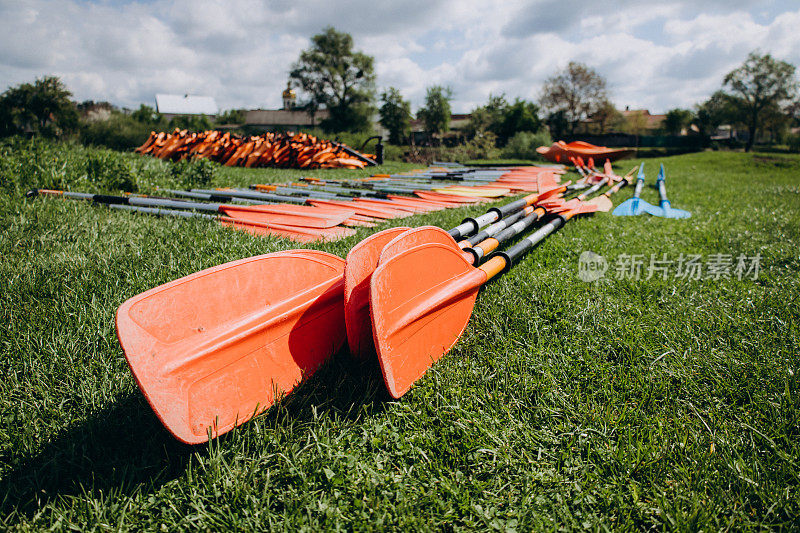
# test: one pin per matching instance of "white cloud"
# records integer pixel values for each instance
(674, 53)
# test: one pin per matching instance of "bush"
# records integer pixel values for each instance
(793, 141)
(39, 163)
(119, 132)
(523, 144)
(197, 173)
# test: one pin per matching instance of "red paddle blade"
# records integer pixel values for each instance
(450, 198)
(416, 237)
(268, 215)
(216, 347)
(265, 229)
(378, 203)
(432, 203)
(420, 303)
(359, 266)
(243, 221)
(362, 209)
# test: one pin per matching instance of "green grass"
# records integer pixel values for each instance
(658, 404)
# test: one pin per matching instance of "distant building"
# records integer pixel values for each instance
(287, 118)
(91, 111)
(643, 118)
(289, 96)
(172, 105)
(283, 119)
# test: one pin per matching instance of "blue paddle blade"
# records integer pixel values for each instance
(636, 206)
(670, 212)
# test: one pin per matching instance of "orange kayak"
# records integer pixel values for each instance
(561, 152)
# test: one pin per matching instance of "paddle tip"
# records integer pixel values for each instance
(32, 193)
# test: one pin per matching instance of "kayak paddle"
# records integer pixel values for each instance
(635, 205)
(264, 214)
(208, 359)
(364, 257)
(669, 211)
(422, 298)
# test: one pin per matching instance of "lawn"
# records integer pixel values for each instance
(664, 403)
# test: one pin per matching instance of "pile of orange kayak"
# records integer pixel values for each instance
(281, 150)
(561, 152)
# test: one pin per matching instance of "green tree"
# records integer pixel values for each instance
(435, 114)
(488, 117)
(719, 109)
(191, 122)
(146, 115)
(341, 79)
(759, 84)
(607, 117)
(676, 120)
(231, 116)
(395, 115)
(557, 123)
(577, 92)
(517, 117)
(42, 108)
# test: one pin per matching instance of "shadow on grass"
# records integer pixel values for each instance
(124, 448)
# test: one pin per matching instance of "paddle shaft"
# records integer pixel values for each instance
(132, 200)
(479, 250)
(662, 187)
(502, 260)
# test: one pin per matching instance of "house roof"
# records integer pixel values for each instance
(651, 121)
(186, 104)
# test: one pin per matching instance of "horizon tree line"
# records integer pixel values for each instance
(760, 95)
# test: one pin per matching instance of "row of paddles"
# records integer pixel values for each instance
(304, 212)
(207, 362)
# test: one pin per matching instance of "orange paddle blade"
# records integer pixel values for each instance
(450, 198)
(602, 203)
(416, 237)
(359, 266)
(217, 347)
(280, 215)
(420, 303)
(363, 209)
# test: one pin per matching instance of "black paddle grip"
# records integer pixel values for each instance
(106, 199)
(518, 250)
(478, 237)
(512, 231)
(504, 210)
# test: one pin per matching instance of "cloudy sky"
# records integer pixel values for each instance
(655, 54)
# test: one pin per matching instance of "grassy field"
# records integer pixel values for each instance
(661, 403)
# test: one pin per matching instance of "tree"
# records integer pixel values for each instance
(635, 123)
(519, 116)
(607, 117)
(557, 124)
(146, 115)
(339, 78)
(435, 114)
(486, 118)
(676, 120)
(191, 122)
(231, 116)
(577, 91)
(760, 83)
(720, 108)
(42, 108)
(504, 119)
(395, 115)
